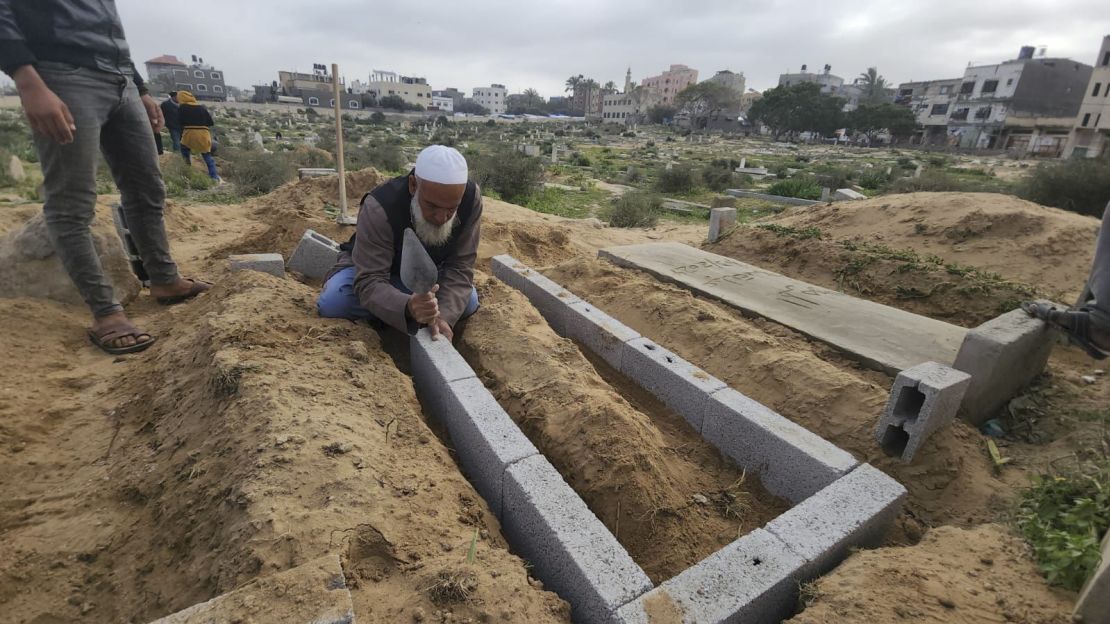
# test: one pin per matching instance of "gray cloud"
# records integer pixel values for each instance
(467, 44)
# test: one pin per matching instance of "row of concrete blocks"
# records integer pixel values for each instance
(314, 256)
(838, 503)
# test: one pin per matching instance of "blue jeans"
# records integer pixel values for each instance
(175, 136)
(208, 160)
(339, 300)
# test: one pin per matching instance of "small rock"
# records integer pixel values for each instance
(357, 351)
(1088, 379)
(418, 615)
(700, 499)
(1099, 371)
(946, 603)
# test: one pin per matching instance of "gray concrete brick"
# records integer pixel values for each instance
(601, 333)
(683, 387)
(720, 220)
(570, 550)
(923, 399)
(315, 255)
(753, 580)
(509, 270)
(550, 299)
(1093, 605)
(485, 438)
(435, 364)
(855, 511)
(1002, 356)
(792, 462)
(271, 263)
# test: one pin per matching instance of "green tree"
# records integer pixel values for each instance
(703, 99)
(471, 107)
(872, 119)
(610, 87)
(660, 113)
(798, 108)
(874, 87)
(392, 101)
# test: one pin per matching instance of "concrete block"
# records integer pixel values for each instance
(1093, 605)
(855, 511)
(1002, 356)
(271, 263)
(923, 399)
(315, 172)
(509, 270)
(752, 580)
(549, 298)
(570, 550)
(792, 462)
(847, 194)
(601, 333)
(315, 255)
(720, 220)
(485, 438)
(683, 387)
(435, 364)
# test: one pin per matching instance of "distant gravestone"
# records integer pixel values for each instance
(15, 169)
(257, 138)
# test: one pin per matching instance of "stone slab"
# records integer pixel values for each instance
(271, 263)
(315, 592)
(1094, 599)
(601, 333)
(683, 387)
(924, 398)
(778, 199)
(1002, 356)
(570, 550)
(486, 439)
(315, 255)
(847, 194)
(881, 337)
(720, 220)
(855, 511)
(792, 462)
(752, 580)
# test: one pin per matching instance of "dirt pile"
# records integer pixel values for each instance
(666, 494)
(961, 257)
(252, 438)
(30, 268)
(952, 576)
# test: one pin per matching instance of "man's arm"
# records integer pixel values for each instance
(456, 278)
(373, 257)
(14, 52)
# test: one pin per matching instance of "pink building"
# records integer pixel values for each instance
(670, 82)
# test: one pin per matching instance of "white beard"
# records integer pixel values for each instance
(428, 233)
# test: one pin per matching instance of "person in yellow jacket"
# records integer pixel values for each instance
(195, 136)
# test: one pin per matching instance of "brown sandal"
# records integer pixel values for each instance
(123, 329)
(197, 288)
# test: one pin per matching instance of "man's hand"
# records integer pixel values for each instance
(46, 112)
(154, 112)
(440, 326)
(424, 308)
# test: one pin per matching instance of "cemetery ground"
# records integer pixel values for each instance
(255, 436)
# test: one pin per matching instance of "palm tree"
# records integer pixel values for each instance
(610, 87)
(590, 85)
(573, 82)
(532, 99)
(873, 86)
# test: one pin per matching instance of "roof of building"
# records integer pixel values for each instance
(165, 59)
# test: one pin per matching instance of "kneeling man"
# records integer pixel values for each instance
(444, 208)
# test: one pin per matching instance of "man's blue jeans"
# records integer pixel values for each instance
(339, 300)
(208, 160)
(175, 136)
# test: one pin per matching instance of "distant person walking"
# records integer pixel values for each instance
(173, 119)
(83, 98)
(1087, 324)
(195, 135)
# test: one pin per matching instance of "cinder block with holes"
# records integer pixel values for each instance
(549, 298)
(753, 579)
(570, 550)
(271, 263)
(509, 270)
(791, 461)
(435, 364)
(856, 510)
(315, 255)
(683, 387)
(924, 399)
(601, 333)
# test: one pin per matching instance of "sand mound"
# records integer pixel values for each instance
(30, 268)
(1048, 248)
(952, 576)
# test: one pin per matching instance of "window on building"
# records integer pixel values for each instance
(983, 112)
(215, 75)
(939, 109)
(945, 89)
(217, 88)
(352, 104)
(1009, 81)
(1086, 120)
(960, 114)
(906, 92)
(1106, 58)
(966, 88)
(202, 87)
(1098, 119)
(198, 74)
(312, 101)
(1098, 85)
(331, 103)
(990, 86)
(181, 72)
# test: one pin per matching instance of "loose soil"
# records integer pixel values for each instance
(668, 496)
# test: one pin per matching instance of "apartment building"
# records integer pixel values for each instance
(669, 83)
(1090, 134)
(492, 98)
(931, 102)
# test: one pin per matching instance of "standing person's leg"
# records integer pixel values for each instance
(1099, 282)
(185, 155)
(175, 136)
(129, 149)
(158, 143)
(211, 163)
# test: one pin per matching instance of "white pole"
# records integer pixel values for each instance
(343, 218)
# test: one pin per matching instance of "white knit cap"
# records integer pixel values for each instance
(442, 164)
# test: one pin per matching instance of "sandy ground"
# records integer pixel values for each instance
(255, 437)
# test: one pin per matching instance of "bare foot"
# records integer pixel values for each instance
(181, 287)
(102, 323)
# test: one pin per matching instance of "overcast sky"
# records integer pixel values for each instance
(523, 44)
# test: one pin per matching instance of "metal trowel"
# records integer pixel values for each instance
(418, 271)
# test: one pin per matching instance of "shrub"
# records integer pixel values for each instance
(181, 178)
(717, 179)
(580, 159)
(833, 176)
(677, 179)
(633, 175)
(385, 157)
(1080, 185)
(510, 173)
(802, 188)
(256, 173)
(307, 156)
(635, 209)
(377, 117)
(939, 181)
(873, 179)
